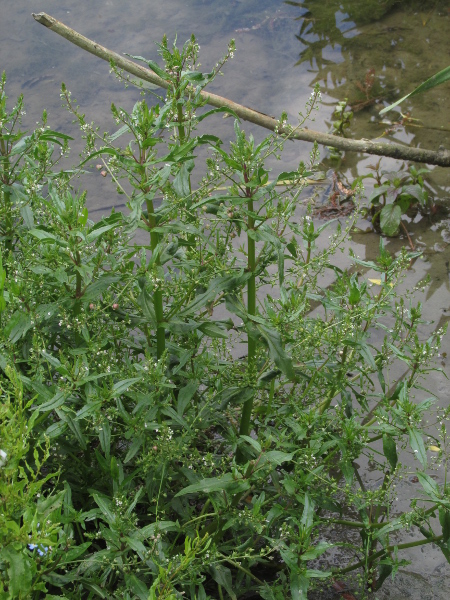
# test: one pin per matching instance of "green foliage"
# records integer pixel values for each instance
(176, 419)
(395, 194)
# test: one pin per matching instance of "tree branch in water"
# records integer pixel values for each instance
(440, 157)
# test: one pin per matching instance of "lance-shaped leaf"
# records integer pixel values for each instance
(276, 351)
(430, 83)
(216, 484)
(416, 442)
(390, 450)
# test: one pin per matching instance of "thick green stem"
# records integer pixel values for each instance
(385, 552)
(157, 294)
(354, 524)
(79, 279)
(244, 428)
(181, 132)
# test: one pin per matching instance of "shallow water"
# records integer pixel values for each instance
(283, 49)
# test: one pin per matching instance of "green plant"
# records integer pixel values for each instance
(30, 517)
(342, 121)
(198, 379)
(342, 118)
(395, 194)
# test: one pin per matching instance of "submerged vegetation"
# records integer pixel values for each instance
(192, 389)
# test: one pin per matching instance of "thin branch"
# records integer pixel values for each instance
(441, 157)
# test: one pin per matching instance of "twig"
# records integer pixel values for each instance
(407, 235)
(441, 157)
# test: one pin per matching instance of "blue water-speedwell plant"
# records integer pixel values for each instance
(159, 461)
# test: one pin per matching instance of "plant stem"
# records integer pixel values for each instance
(157, 294)
(181, 132)
(244, 428)
(355, 524)
(385, 551)
(244, 570)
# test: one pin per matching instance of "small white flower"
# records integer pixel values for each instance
(3, 456)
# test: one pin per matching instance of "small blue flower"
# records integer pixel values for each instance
(40, 549)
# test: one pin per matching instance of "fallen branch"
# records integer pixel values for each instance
(440, 157)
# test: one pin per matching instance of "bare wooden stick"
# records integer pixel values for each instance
(440, 157)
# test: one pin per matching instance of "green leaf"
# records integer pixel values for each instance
(379, 191)
(316, 551)
(222, 576)
(17, 326)
(119, 132)
(208, 139)
(384, 570)
(181, 181)
(51, 134)
(136, 545)
(276, 351)
(105, 506)
(74, 426)
(299, 583)
(58, 400)
(228, 283)
(145, 301)
(430, 486)
(275, 457)
(95, 288)
(394, 525)
(137, 586)
(27, 216)
(262, 235)
(153, 66)
(390, 218)
(93, 235)
(237, 395)
(185, 395)
(253, 443)
(74, 553)
(50, 504)
(347, 471)
(19, 572)
(134, 448)
(55, 362)
(308, 513)
(123, 385)
(437, 79)
(104, 437)
(213, 330)
(153, 528)
(47, 237)
(390, 450)
(354, 296)
(83, 217)
(106, 150)
(416, 442)
(223, 109)
(93, 587)
(318, 574)
(214, 484)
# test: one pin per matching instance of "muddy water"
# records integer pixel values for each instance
(282, 51)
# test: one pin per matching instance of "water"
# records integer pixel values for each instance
(283, 49)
